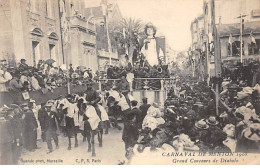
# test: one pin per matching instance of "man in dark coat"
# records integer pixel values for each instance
(144, 107)
(6, 141)
(14, 116)
(23, 66)
(130, 131)
(92, 97)
(124, 88)
(30, 129)
(50, 122)
(41, 118)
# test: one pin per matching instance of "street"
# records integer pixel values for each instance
(110, 154)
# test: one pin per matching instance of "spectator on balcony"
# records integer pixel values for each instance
(124, 88)
(90, 74)
(71, 70)
(15, 84)
(4, 78)
(40, 65)
(24, 81)
(23, 66)
(34, 82)
(144, 107)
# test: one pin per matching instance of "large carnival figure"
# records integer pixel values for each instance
(150, 47)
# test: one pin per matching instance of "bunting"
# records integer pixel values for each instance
(230, 40)
(251, 39)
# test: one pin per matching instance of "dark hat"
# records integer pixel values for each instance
(212, 121)
(48, 105)
(59, 97)
(134, 102)
(23, 59)
(201, 125)
(253, 132)
(89, 83)
(145, 98)
(14, 106)
(69, 96)
(9, 110)
(24, 105)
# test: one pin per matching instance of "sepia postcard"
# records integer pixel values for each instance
(129, 82)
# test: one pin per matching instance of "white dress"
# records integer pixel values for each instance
(151, 54)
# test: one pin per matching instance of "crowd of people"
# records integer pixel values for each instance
(44, 76)
(22, 126)
(145, 71)
(188, 122)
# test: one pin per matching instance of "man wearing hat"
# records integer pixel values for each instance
(50, 122)
(92, 97)
(248, 138)
(15, 85)
(144, 107)
(124, 88)
(23, 66)
(212, 122)
(6, 140)
(41, 113)
(131, 125)
(30, 129)
(14, 116)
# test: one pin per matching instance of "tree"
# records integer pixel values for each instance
(125, 35)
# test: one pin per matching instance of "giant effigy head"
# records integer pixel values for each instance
(150, 29)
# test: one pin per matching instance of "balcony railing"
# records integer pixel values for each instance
(157, 84)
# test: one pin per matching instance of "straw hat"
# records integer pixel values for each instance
(201, 125)
(253, 132)
(48, 105)
(155, 104)
(199, 104)
(212, 121)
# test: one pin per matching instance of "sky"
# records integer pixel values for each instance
(171, 17)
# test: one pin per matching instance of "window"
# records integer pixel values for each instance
(235, 50)
(52, 51)
(35, 52)
(34, 5)
(49, 8)
(254, 48)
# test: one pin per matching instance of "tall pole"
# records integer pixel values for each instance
(241, 40)
(206, 26)
(217, 53)
(207, 59)
(108, 41)
(241, 36)
(61, 36)
(64, 59)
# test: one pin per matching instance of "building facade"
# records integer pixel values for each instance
(30, 29)
(226, 18)
(79, 35)
(103, 15)
(229, 30)
(197, 50)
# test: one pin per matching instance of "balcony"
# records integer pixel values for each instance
(103, 53)
(78, 22)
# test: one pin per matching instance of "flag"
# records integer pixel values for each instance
(230, 41)
(124, 32)
(251, 39)
(243, 25)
